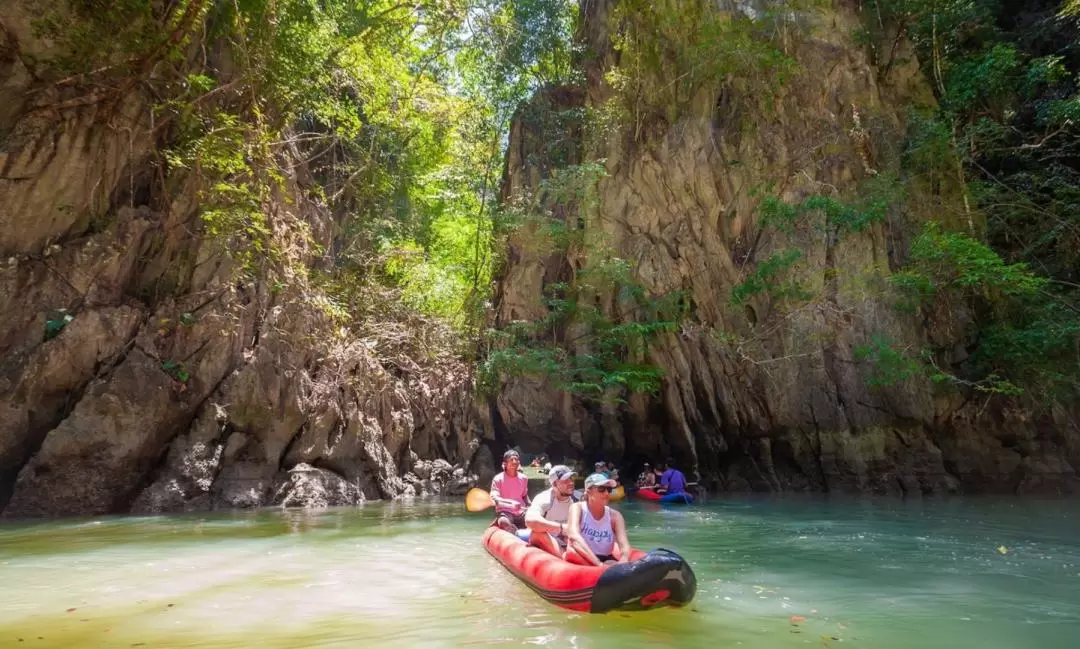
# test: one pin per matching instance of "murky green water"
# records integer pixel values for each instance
(990, 574)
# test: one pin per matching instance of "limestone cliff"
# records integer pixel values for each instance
(769, 394)
(140, 371)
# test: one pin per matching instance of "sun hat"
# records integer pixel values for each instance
(599, 480)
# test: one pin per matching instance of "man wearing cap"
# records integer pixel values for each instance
(550, 510)
(510, 491)
(596, 533)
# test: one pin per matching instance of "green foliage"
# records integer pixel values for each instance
(114, 38)
(396, 112)
(870, 205)
(176, 370)
(817, 213)
(669, 50)
(581, 347)
(1026, 341)
(892, 364)
(1005, 133)
(766, 278)
(599, 323)
(956, 262)
(55, 324)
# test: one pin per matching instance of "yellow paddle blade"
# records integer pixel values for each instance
(477, 500)
(618, 493)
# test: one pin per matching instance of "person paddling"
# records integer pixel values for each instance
(596, 533)
(550, 510)
(673, 481)
(510, 492)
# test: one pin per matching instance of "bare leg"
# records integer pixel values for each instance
(545, 542)
(505, 523)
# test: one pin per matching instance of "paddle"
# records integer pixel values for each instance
(477, 500)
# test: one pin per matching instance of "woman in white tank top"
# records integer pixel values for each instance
(594, 529)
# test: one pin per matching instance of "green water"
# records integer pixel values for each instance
(880, 574)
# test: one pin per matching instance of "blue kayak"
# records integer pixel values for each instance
(681, 498)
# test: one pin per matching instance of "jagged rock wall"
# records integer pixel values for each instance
(769, 396)
(137, 371)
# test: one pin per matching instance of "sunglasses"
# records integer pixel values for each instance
(603, 490)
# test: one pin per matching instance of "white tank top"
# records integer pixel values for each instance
(598, 534)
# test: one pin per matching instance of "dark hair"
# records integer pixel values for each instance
(669, 461)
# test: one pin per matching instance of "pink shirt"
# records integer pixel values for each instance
(516, 488)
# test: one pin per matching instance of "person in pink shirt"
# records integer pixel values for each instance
(510, 491)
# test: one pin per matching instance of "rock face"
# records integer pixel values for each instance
(767, 395)
(137, 372)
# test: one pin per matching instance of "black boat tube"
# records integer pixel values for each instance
(662, 577)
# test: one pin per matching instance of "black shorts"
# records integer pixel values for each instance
(605, 557)
(518, 520)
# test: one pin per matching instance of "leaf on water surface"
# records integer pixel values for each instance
(1002, 550)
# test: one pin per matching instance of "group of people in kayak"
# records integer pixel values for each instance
(588, 531)
(665, 478)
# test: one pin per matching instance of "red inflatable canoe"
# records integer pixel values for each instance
(649, 579)
(647, 494)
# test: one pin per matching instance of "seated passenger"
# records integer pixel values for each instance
(596, 533)
(672, 481)
(612, 472)
(550, 510)
(510, 491)
(647, 479)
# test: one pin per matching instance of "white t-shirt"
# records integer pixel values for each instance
(547, 506)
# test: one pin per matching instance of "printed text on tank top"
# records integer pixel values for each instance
(597, 533)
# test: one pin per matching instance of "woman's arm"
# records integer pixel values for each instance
(573, 535)
(619, 525)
